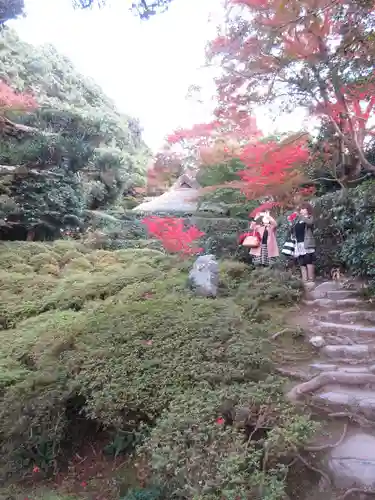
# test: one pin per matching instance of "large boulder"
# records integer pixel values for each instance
(204, 276)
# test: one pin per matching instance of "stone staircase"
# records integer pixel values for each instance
(339, 382)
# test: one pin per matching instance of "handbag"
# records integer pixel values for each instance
(288, 248)
(251, 241)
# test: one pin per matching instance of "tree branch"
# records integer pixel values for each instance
(22, 170)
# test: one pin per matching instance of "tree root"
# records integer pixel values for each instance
(358, 419)
(339, 339)
(293, 357)
(292, 374)
(362, 491)
(314, 469)
(277, 334)
(327, 378)
(328, 446)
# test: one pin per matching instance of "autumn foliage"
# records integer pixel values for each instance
(317, 54)
(9, 99)
(173, 234)
(272, 169)
(202, 144)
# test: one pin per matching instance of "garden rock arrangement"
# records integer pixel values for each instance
(340, 385)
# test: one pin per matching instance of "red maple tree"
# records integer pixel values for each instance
(163, 170)
(173, 234)
(272, 170)
(12, 100)
(202, 144)
(311, 53)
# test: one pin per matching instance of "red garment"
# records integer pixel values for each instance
(243, 236)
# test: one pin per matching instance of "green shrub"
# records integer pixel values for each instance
(41, 259)
(220, 233)
(78, 264)
(121, 341)
(195, 450)
(345, 230)
(143, 494)
(50, 269)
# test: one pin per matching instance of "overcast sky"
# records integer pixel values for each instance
(146, 67)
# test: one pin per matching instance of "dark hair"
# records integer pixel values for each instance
(308, 207)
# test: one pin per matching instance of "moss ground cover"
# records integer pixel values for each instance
(113, 345)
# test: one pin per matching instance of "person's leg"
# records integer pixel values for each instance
(304, 273)
(310, 264)
(310, 272)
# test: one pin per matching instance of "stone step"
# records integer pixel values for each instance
(319, 367)
(352, 462)
(329, 286)
(330, 291)
(353, 399)
(333, 295)
(334, 304)
(331, 327)
(346, 316)
(307, 371)
(355, 352)
(321, 289)
(358, 315)
(341, 294)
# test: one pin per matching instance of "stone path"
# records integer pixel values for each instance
(339, 384)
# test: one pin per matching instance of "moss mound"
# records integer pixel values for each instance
(115, 338)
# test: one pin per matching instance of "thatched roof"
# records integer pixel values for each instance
(181, 197)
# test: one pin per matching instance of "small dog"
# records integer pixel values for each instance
(336, 274)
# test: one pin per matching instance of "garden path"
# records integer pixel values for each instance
(339, 384)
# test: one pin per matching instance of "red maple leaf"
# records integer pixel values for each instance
(173, 234)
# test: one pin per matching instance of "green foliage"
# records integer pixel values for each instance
(231, 199)
(117, 337)
(48, 199)
(143, 8)
(90, 153)
(194, 455)
(345, 230)
(143, 494)
(10, 9)
(126, 230)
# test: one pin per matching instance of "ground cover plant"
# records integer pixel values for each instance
(111, 347)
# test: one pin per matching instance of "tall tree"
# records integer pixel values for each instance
(312, 53)
(234, 163)
(11, 9)
(72, 151)
(143, 8)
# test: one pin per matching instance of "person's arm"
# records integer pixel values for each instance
(307, 219)
(273, 222)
